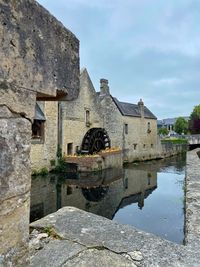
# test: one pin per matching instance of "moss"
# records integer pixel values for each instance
(52, 233)
(43, 172)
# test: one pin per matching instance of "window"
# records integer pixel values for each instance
(38, 130)
(69, 148)
(144, 146)
(148, 127)
(87, 118)
(151, 145)
(126, 128)
(135, 146)
(149, 178)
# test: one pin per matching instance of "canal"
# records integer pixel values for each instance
(148, 196)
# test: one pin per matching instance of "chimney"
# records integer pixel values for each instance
(104, 88)
(141, 108)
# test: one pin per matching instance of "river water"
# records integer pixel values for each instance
(148, 196)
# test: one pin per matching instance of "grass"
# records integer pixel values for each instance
(175, 141)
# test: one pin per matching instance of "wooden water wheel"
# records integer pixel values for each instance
(95, 140)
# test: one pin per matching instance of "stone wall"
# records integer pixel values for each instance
(192, 220)
(112, 121)
(98, 162)
(74, 125)
(15, 133)
(137, 144)
(39, 58)
(42, 152)
(36, 51)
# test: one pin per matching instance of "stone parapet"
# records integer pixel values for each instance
(102, 160)
(192, 220)
(104, 241)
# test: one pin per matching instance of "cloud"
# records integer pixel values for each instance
(167, 82)
(147, 49)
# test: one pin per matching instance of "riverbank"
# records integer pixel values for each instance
(79, 238)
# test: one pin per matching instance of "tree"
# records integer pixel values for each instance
(181, 126)
(163, 131)
(194, 124)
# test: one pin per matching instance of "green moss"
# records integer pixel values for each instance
(52, 233)
(43, 172)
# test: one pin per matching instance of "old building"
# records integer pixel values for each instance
(132, 127)
(94, 121)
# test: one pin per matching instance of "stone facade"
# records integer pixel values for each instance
(74, 125)
(43, 152)
(39, 60)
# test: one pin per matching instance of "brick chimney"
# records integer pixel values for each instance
(141, 108)
(104, 88)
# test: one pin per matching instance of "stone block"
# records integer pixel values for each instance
(15, 134)
(37, 52)
(14, 232)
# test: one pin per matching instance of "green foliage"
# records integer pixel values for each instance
(195, 113)
(163, 131)
(194, 125)
(61, 165)
(181, 126)
(53, 162)
(43, 172)
(51, 232)
(175, 141)
(59, 152)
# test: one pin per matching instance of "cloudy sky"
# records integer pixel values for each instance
(147, 49)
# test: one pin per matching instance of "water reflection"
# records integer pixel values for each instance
(100, 193)
(128, 195)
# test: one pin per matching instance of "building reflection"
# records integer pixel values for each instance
(101, 193)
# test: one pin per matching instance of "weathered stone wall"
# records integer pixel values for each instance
(39, 58)
(15, 134)
(169, 149)
(112, 121)
(74, 114)
(43, 152)
(36, 51)
(101, 161)
(192, 220)
(138, 144)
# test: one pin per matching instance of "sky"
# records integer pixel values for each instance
(147, 49)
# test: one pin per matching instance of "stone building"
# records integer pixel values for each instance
(130, 127)
(44, 135)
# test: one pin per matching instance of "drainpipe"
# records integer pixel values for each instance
(60, 132)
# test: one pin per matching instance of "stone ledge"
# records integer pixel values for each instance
(95, 232)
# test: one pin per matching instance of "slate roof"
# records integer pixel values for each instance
(132, 110)
(39, 115)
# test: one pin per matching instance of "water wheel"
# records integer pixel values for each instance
(95, 140)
